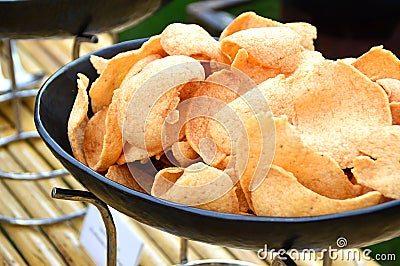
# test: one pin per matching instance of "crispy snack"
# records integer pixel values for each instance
(336, 106)
(253, 152)
(191, 40)
(200, 186)
(78, 119)
(112, 143)
(395, 110)
(122, 175)
(307, 31)
(138, 66)
(184, 153)
(274, 47)
(103, 138)
(277, 93)
(250, 20)
(392, 88)
(380, 169)
(189, 90)
(252, 67)
(219, 88)
(277, 98)
(378, 63)
(382, 143)
(99, 63)
(380, 175)
(147, 100)
(316, 171)
(280, 194)
(165, 180)
(116, 69)
(95, 131)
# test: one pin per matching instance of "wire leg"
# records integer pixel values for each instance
(111, 233)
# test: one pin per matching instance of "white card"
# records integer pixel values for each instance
(93, 238)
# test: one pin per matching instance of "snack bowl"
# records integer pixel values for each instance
(360, 227)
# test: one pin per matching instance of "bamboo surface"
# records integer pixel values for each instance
(59, 244)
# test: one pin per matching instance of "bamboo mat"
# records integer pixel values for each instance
(59, 244)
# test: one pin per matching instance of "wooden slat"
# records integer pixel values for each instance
(152, 255)
(41, 57)
(62, 235)
(31, 161)
(30, 241)
(38, 204)
(170, 244)
(8, 254)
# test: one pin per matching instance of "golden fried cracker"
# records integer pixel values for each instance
(122, 175)
(112, 142)
(191, 40)
(278, 94)
(94, 137)
(149, 97)
(138, 66)
(184, 153)
(380, 175)
(378, 63)
(395, 111)
(253, 153)
(307, 31)
(380, 169)
(316, 171)
(252, 67)
(189, 89)
(165, 179)
(280, 194)
(272, 95)
(391, 87)
(382, 143)
(250, 19)
(204, 187)
(274, 47)
(78, 119)
(336, 106)
(116, 69)
(103, 137)
(219, 89)
(99, 63)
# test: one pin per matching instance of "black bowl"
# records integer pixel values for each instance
(360, 227)
(61, 18)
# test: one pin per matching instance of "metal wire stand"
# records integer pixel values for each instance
(18, 85)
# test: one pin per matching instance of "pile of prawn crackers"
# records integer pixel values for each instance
(328, 140)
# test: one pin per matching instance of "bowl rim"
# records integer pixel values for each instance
(44, 134)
